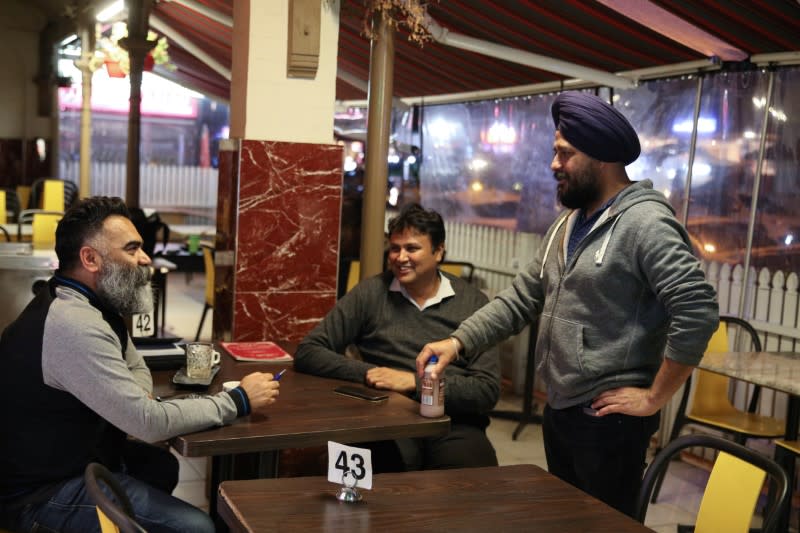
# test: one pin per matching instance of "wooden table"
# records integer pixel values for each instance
(506, 498)
(779, 371)
(308, 413)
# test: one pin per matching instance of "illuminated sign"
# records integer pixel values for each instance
(160, 97)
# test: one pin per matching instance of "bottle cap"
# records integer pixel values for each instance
(433, 360)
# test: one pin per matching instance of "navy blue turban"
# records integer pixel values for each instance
(595, 128)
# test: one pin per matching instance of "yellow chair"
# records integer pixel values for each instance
(711, 405)
(353, 274)
(3, 214)
(461, 269)
(44, 231)
(208, 263)
(53, 197)
(114, 516)
(733, 488)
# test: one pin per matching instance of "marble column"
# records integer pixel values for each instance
(278, 234)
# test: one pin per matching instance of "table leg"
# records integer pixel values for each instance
(242, 466)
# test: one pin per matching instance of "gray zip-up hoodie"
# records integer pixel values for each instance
(631, 294)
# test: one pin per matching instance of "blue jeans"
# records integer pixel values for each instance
(71, 510)
(603, 456)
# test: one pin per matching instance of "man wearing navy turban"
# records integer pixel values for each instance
(624, 310)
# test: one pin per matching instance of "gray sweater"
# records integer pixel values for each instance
(631, 294)
(389, 331)
(81, 356)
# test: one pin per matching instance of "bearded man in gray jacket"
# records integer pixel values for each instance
(73, 388)
(624, 310)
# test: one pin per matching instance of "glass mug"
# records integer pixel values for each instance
(200, 359)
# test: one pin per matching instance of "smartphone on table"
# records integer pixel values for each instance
(361, 393)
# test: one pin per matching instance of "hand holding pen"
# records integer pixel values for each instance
(261, 390)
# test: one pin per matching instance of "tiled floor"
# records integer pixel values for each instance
(678, 502)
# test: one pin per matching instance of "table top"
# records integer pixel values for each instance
(307, 413)
(507, 498)
(776, 370)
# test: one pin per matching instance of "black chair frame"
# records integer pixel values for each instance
(121, 513)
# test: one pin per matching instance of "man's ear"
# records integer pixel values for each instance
(90, 259)
(438, 253)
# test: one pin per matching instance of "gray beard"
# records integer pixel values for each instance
(127, 290)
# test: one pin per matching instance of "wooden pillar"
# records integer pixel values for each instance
(379, 119)
(87, 31)
(138, 47)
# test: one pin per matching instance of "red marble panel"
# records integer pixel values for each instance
(279, 315)
(287, 237)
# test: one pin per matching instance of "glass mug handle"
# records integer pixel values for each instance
(215, 358)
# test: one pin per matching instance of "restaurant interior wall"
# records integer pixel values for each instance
(21, 125)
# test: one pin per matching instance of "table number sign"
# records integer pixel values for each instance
(349, 466)
(142, 325)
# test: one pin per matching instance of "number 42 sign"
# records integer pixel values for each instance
(357, 461)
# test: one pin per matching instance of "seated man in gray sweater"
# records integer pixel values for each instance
(73, 388)
(389, 318)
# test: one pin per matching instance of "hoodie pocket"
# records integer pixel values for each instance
(565, 357)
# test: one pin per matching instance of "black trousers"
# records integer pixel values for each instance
(603, 456)
(465, 446)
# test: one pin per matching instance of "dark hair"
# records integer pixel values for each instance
(80, 223)
(425, 221)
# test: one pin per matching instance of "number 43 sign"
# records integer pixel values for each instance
(357, 461)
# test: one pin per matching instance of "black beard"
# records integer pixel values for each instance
(580, 190)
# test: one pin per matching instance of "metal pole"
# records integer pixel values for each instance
(687, 188)
(754, 200)
(381, 82)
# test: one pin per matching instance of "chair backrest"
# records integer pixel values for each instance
(3, 210)
(711, 392)
(44, 230)
(461, 269)
(730, 495)
(353, 274)
(208, 262)
(52, 194)
(117, 514)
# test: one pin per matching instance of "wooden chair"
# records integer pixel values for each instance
(733, 488)
(711, 405)
(114, 516)
(208, 263)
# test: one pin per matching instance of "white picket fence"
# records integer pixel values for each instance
(160, 185)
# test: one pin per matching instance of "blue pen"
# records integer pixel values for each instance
(279, 375)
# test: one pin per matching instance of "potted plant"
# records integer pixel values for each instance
(115, 58)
